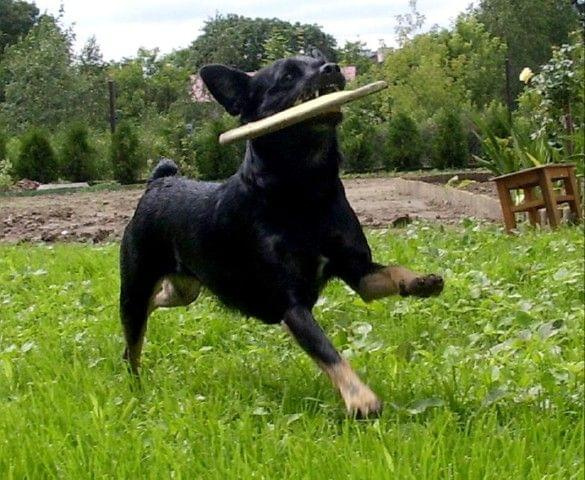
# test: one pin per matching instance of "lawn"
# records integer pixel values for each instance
(483, 382)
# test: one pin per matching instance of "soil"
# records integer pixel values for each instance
(101, 216)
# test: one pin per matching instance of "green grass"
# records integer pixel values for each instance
(485, 381)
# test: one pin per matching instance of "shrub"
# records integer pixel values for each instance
(515, 152)
(5, 177)
(36, 160)
(450, 145)
(215, 161)
(175, 140)
(125, 155)
(77, 155)
(357, 141)
(404, 144)
(3, 142)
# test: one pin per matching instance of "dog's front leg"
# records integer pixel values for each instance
(359, 399)
(394, 279)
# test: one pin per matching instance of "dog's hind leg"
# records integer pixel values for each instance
(136, 293)
(140, 296)
(359, 399)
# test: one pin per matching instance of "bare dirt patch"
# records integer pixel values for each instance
(101, 216)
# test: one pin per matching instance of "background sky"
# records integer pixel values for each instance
(122, 26)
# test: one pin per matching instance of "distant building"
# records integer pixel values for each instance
(199, 92)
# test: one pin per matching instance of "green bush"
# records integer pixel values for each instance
(450, 144)
(5, 165)
(3, 142)
(404, 144)
(357, 141)
(125, 154)
(36, 160)
(215, 161)
(77, 155)
(175, 139)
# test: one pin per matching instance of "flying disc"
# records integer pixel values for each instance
(330, 102)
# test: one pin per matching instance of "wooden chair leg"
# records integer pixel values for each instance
(550, 200)
(506, 203)
(572, 188)
(533, 212)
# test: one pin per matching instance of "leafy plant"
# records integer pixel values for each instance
(77, 155)
(125, 154)
(215, 161)
(554, 98)
(3, 142)
(36, 159)
(450, 144)
(516, 152)
(404, 143)
(357, 134)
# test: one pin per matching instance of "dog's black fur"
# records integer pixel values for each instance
(266, 240)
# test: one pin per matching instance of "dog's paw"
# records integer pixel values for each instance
(365, 404)
(426, 286)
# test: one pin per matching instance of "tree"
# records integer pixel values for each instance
(91, 83)
(408, 24)
(40, 83)
(476, 60)
(529, 28)
(355, 53)
(277, 45)
(450, 145)
(16, 19)
(404, 143)
(77, 155)
(419, 79)
(148, 83)
(241, 41)
(125, 155)
(37, 160)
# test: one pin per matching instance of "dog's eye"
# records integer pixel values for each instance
(287, 78)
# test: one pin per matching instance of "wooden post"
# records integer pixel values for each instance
(112, 92)
(509, 100)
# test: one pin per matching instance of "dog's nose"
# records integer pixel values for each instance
(330, 76)
(329, 69)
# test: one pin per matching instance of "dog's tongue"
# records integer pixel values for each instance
(328, 103)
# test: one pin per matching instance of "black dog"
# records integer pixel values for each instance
(266, 240)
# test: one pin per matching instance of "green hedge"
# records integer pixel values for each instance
(36, 160)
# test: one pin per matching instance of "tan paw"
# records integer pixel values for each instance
(361, 402)
(425, 286)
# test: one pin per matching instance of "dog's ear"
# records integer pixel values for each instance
(228, 85)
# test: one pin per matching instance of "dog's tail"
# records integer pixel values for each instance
(165, 168)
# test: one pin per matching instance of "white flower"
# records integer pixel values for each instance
(526, 75)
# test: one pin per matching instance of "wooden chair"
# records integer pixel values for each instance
(539, 177)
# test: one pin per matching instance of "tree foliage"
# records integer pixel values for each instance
(147, 84)
(125, 154)
(450, 146)
(215, 161)
(36, 160)
(356, 54)
(404, 143)
(40, 84)
(529, 28)
(249, 43)
(16, 19)
(77, 155)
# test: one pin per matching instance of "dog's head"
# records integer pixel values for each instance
(275, 88)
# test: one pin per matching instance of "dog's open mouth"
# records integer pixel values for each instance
(316, 93)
